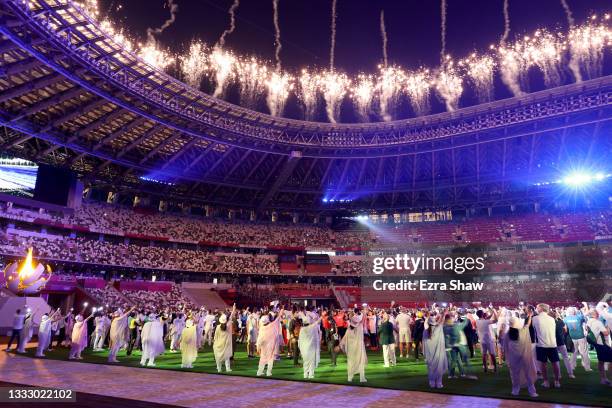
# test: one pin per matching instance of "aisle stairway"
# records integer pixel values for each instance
(204, 297)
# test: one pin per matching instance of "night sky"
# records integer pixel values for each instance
(413, 28)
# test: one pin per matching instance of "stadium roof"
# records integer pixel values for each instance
(70, 96)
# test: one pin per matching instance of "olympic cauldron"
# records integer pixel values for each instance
(24, 278)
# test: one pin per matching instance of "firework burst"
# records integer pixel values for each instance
(480, 69)
(333, 86)
(252, 76)
(222, 63)
(418, 87)
(309, 93)
(194, 64)
(361, 94)
(545, 50)
(449, 85)
(587, 44)
(389, 84)
(278, 85)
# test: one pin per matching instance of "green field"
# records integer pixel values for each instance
(585, 389)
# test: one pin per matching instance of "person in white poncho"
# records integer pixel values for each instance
(118, 333)
(45, 332)
(188, 344)
(26, 333)
(222, 344)
(353, 345)
(434, 350)
(252, 328)
(102, 324)
(519, 356)
(152, 340)
(176, 330)
(209, 327)
(309, 342)
(78, 337)
(200, 329)
(267, 341)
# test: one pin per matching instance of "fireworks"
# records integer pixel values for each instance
(449, 85)
(479, 70)
(193, 65)
(443, 29)
(418, 88)
(586, 44)
(278, 85)
(152, 32)
(383, 34)
(362, 94)
(222, 63)
(251, 77)
(513, 67)
(388, 86)
(583, 46)
(232, 27)
(332, 48)
(506, 23)
(309, 92)
(155, 56)
(277, 36)
(545, 50)
(333, 86)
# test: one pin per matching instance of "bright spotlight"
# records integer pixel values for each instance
(577, 179)
(580, 179)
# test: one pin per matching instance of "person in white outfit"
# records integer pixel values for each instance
(403, 321)
(188, 344)
(267, 341)
(434, 349)
(353, 346)
(222, 344)
(209, 327)
(518, 352)
(152, 340)
(45, 333)
(252, 328)
(118, 333)
(309, 342)
(78, 337)
(178, 325)
(99, 332)
(27, 331)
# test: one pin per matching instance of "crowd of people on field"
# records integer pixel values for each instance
(531, 340)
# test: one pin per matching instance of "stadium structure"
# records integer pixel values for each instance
(170, 196)
(72, 97)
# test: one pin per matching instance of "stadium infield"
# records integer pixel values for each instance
(409, 374)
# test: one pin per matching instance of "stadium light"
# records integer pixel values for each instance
(581, 179)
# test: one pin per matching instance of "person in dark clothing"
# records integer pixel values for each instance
(561, 333)
(419, 326)
(331, 336)
(133, 326)
(470, 335)
(295, 325)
